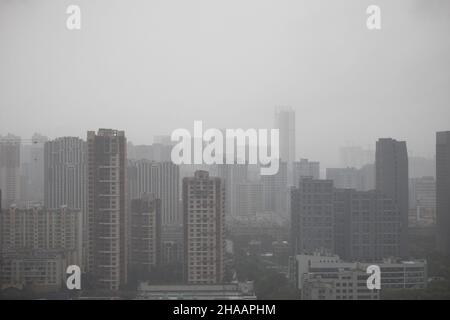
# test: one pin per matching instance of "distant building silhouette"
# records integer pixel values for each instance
(249, 199)
(421, 167)
(232, 175)
(159, 151)
(276, 192)
(362, 179)
(10, 169)
(345, 178)
(355, 157)
(32, 169)
(285, 122)
(162, 180)
(65, 166)
(306, 168)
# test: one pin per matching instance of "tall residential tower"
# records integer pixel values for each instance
(107, 219)
(204, 225)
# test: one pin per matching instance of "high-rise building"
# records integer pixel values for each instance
(138, 152)
(249, 199)
(312, 216)
(276, 192)
(285, 122)
(443, 191)
(166, 187)
(391, 179)
(162, 180)
(65, 180)
(421, 167)
(204, 225)
(145, 235)
(422, 200)
(162, 148)
(32, 170)
(344, 178)
(362, 179)
(1, 234)
(172, 247)
(355, 157)
(306, 168)
(367, 175)
(159, 151)
(65, 165)
(367, 225)
(232, 175)
(107, 218)
(10, 169)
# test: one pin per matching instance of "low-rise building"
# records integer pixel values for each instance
(39, 271)
(395, 273)
(343, 285)
(231, 291)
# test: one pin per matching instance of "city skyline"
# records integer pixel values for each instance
(154, 139)
(363, 226)
(224, 150)
(215, 73)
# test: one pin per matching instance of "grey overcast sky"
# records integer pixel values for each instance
(148, 67)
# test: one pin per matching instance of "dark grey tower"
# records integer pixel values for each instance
(391, 179)
(443, 191)
(106, 208)
(312, 216)
(367, 225)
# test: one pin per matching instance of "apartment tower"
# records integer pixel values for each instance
(107, 219)
(203, 215)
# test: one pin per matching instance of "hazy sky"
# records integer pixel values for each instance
(148, 67)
